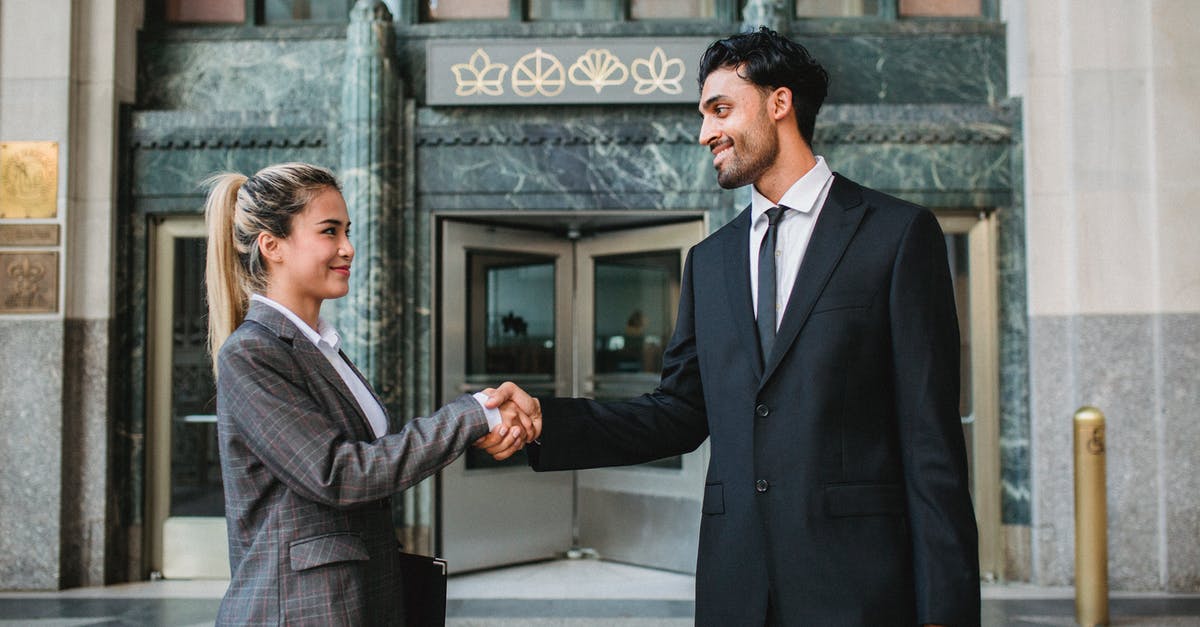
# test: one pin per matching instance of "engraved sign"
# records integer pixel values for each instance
(28, 235)
(576, 71)
(29, 282)
(28, 179)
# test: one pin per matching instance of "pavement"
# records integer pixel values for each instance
(562, 593)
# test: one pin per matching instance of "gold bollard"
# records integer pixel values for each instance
(1091, 520)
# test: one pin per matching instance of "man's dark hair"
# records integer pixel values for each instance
(770, 60)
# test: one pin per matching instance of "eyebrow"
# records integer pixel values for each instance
(333, 221)
(711, 99)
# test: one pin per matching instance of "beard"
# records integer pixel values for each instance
(745, 165)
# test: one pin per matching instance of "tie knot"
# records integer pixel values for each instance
(775, 214)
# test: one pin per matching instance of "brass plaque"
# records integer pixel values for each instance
(28, 282)
(28, 235)
(28, 179)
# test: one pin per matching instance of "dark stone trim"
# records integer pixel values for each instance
(641, 134)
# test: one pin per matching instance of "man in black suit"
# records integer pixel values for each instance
(816, 344)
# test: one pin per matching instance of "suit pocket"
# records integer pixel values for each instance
(714, 499)
(833, 301)
(328, 548)
(864, 499)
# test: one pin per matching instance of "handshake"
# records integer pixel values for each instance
(520, 421)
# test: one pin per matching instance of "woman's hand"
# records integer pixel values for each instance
(502, 441)
(517, 406)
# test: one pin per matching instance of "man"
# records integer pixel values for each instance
(816, 344)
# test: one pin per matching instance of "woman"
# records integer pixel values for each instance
(307, 460)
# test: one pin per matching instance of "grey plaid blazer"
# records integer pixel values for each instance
(307, 485)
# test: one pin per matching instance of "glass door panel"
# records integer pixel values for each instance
(195, 468)
(510, 319)
(506, 311)
(628, 283)
(635, 296)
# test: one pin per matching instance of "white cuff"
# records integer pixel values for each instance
(493, 415)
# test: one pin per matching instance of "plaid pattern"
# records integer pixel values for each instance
(307, 491)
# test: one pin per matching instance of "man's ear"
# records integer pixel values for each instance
(781, 103)
(268, 247)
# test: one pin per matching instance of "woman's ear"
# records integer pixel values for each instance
(268, 247)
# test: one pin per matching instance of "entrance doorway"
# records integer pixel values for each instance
(186, 537)
(568, 316)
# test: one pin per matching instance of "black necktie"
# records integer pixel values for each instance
(767, 297)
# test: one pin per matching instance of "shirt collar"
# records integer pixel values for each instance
(323, 334)
(801, 196)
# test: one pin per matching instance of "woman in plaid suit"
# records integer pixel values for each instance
(308, 462)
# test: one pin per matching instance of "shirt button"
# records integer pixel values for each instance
(763, 411)
(761, 485)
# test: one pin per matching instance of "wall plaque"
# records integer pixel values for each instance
(28, 179)
(28, 282)
(28, 235)
(563, 71)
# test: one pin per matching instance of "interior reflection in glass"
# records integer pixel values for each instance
(510, 319)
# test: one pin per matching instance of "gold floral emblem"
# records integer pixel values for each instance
(538, 72)
(658, 72)
(479, 75)
(598, 68)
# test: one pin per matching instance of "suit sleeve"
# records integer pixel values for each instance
(925, 357)
(266, 405)
(580, 433)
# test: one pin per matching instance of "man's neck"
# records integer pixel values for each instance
(791, 165)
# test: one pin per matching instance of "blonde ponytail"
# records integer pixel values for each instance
(223, 274)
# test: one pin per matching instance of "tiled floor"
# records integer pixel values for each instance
(582, 593)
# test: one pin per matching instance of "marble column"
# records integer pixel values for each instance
(368, 316)
(371, 318)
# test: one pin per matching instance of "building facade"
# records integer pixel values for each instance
(523, 177)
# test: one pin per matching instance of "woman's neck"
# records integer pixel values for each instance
(306, 309)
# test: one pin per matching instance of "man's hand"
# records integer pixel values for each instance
(517, 406)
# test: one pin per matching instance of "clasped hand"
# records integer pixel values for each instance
(520, 421)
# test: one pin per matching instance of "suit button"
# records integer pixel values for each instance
(761, 485)
(762, 410)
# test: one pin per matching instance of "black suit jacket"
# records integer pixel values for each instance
(837, 488)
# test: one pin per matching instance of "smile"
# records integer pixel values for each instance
(720, 152)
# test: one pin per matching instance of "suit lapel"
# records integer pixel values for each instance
(839, 219)
(737, 285)
(313, 360)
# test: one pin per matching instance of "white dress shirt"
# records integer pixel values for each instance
(803, 200)
(329, 342)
